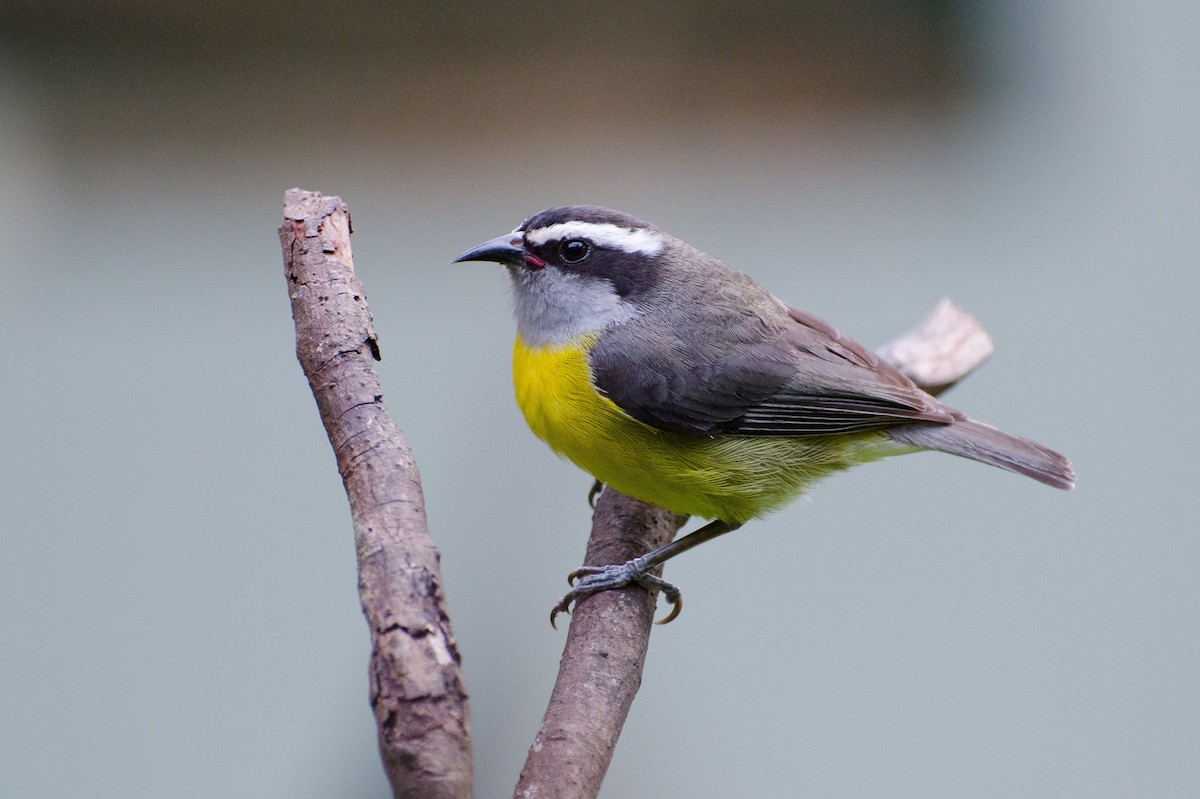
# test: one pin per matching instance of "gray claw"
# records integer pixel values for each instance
(594, 492)
(596, 579)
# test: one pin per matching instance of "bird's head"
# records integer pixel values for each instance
(578, 269)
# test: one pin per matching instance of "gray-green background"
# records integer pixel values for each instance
(178, 613)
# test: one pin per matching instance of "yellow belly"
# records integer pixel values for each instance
(733, 478)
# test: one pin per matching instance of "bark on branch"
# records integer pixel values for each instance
(416, 685)
(601, 667)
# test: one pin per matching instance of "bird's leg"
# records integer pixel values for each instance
(594, 579)
(594, 492)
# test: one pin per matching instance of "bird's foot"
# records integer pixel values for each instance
(594, 492)
(596, 579)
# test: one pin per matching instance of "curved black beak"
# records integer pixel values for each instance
(506, 249)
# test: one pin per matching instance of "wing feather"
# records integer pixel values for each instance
(791, 376)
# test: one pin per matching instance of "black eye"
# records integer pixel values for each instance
(574, 250)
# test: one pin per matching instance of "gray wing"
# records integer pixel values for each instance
(741, 374)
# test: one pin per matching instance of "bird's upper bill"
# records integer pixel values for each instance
(506, 249)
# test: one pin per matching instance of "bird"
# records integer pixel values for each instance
(676, 379)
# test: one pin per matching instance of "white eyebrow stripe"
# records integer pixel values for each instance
(605, 234)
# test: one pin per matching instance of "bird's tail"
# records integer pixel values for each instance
(986, 444)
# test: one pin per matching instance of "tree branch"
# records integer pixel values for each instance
(601, 667)
(416, 684)
(944, 347)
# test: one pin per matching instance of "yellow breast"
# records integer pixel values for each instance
(733, 478)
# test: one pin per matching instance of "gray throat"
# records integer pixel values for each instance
(554, 307)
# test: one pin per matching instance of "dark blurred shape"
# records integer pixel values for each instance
(216, 68)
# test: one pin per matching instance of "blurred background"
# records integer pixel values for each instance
(178, 607)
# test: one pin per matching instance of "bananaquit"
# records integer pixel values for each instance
(674, 378)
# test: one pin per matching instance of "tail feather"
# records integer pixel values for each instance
(984, 443)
